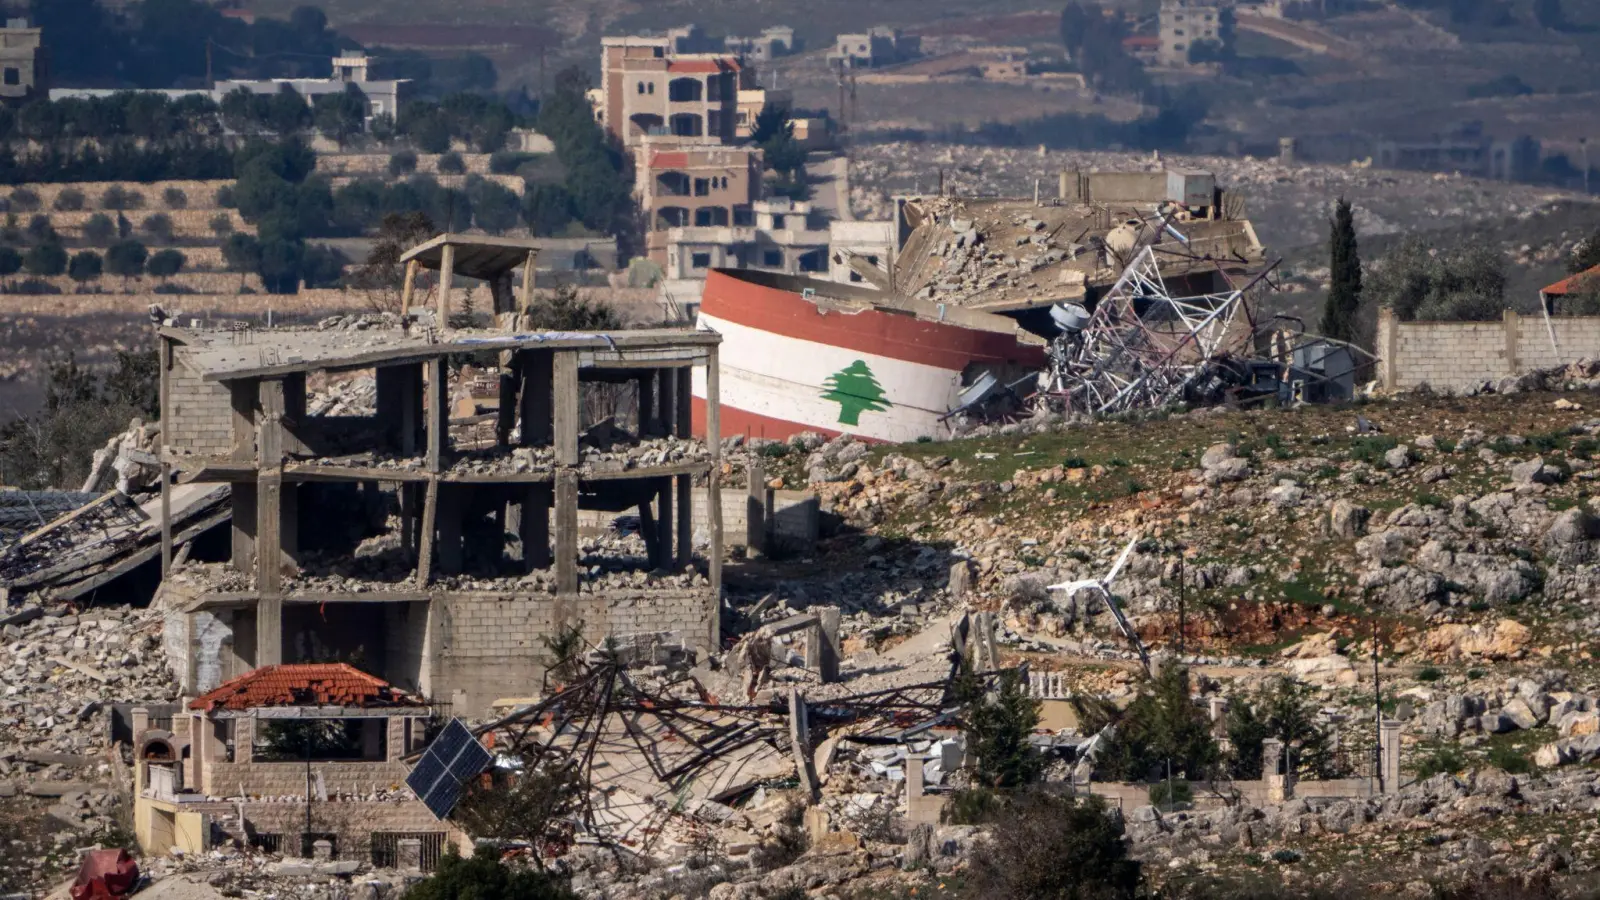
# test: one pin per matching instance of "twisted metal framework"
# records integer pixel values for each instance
(1142, 347)
(648, 756)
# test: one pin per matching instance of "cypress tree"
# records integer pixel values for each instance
(1344, 290)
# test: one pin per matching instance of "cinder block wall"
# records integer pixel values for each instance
(1456, 356)
(199, 418)
(490, 647)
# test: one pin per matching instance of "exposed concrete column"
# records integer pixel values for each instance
(685, 521)
(714, 489)
(755, 510)
(566, 517)
(409, 288)
(269, 631)
(800, 744)
(564, 396)
(244, 739)
(1509, 321)
(664, 524)
(438, 412)
(1389, 749)
(1388, 342)
(527, 280)
(447, 274)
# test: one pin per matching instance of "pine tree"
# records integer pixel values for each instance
(1344, 291)
(856, 390)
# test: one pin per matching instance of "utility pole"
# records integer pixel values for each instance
(305, 841)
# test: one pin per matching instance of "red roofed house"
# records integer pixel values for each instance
(242, 762)
(1585, 282)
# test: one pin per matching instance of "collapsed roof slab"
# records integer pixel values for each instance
(233, 355)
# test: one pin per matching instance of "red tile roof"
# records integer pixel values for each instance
(1572, 283)
(702, 66)
(669, 159)
(1142, 40)
(315, 684)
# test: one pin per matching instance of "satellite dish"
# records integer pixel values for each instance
(978, 391)
(1069, 317)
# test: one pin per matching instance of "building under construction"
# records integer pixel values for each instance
(431, 535)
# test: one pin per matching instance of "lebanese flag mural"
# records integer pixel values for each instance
(788, 365)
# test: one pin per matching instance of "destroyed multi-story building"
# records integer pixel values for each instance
(430, 537)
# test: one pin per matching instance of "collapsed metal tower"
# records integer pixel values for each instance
(1142, 347)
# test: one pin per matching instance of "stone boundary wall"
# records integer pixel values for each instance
(1459, 356)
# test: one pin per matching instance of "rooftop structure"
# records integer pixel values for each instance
(682, 182)
(313, 684)
(430, 536)
(24, 61)
(1185, 23)
(770, 44)
(1015, 255)
(648, 87)
(874, 48)
(384, 96)
(289, 757)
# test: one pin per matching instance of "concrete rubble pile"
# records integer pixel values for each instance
(129, 462)
(618, 456)
(60, 674)
(1288, 202)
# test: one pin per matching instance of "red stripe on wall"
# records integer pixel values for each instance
(893, 335)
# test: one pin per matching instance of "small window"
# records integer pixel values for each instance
(744, 216)
(650, 88)
(772, 259)
(1177, 32)
(1177, 46)
(641, 87)
(702, 187)
(700, 260)
(855, 277)
(777, 223)
(872, 260)
(13, 75)
(1178, 17)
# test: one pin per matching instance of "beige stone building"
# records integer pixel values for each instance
(24, 61)
(646, 88)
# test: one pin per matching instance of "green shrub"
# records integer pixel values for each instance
(1429, 674)
(120, 198)
(1447, 759)
(1178, 791)
(70, 200)
(1510, 759)
(1371, 449)
(1046, 845)
(451, 164)
(972, 806)
(402, 163)
(25, 200)
(1075, 462)
(175, 198)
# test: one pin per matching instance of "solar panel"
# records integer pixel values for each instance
(454, 758)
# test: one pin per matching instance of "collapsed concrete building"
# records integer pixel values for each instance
(437, 551)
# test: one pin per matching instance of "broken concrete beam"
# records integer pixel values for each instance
(22, 616)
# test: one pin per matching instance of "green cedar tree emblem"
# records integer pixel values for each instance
(856, 390)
